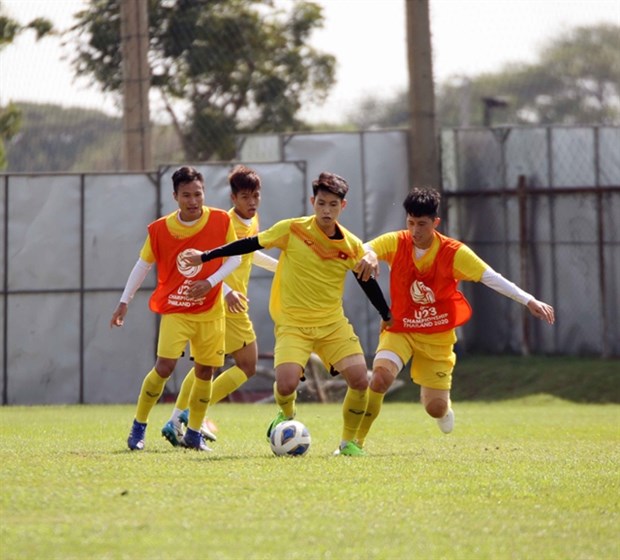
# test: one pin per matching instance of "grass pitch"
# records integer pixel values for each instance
(536, 478)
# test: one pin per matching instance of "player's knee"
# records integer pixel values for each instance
(287, 378)
(204, 372)
(286, 386)
(358, 382)
(437, 408)
(247, 366)
(164, 367)
(381, 380)
(246, 359)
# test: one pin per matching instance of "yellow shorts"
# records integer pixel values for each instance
(331, 342)
(432, 364)
(239, 332)
(206, 338)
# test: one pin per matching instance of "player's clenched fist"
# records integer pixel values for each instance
(118, 317)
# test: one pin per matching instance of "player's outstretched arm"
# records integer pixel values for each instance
(193, 257)
(542, 310)
(497, 282)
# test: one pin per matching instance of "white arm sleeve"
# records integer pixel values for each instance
(265, 261)
(229, 266)
(226, 289)
(136, 277)
(368, 248)
(497, 282)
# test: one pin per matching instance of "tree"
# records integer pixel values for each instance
(580, 72)
(373, 112)
(576, 80)
(10, 116)
(222, 67)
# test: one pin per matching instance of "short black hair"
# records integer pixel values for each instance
(186, 174)
(423, 201)
(330, 182)
(242, 178)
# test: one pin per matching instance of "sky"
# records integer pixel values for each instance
(366, 36)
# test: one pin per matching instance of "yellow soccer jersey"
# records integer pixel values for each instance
(240, 278)
(467, 266)
(309, 282)
(181, 231)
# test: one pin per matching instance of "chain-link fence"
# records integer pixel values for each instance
(542, 205)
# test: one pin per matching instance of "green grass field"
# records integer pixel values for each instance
(535, 478)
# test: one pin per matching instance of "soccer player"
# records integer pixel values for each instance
(425, 268)
(245, 186)
(188, 298)
(306, 301)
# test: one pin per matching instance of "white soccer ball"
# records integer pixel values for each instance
(290, 438)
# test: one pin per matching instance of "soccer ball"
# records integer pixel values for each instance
(290, 438)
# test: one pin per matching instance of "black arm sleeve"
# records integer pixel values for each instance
(375, 295)
(239, 247)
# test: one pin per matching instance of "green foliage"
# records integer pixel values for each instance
(54, 138)
(10, 123)
(8, 30)
(576, 80)
(520, 479)
(223, 67)
(386, 113)
(41, 27)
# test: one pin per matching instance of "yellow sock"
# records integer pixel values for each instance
(286, 403)
(186, 388)
(199, 402)
(375, 401)
(152, 388)
(353, 409)
(227, 382)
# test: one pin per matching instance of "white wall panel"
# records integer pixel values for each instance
(117, 210)
(338, 153)
(44, 233)
(572, 153)
(43, 349)
(117, 359)
(609, 156)
(386, 181)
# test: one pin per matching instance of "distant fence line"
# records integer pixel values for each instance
(545, 203)
(68, 242)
